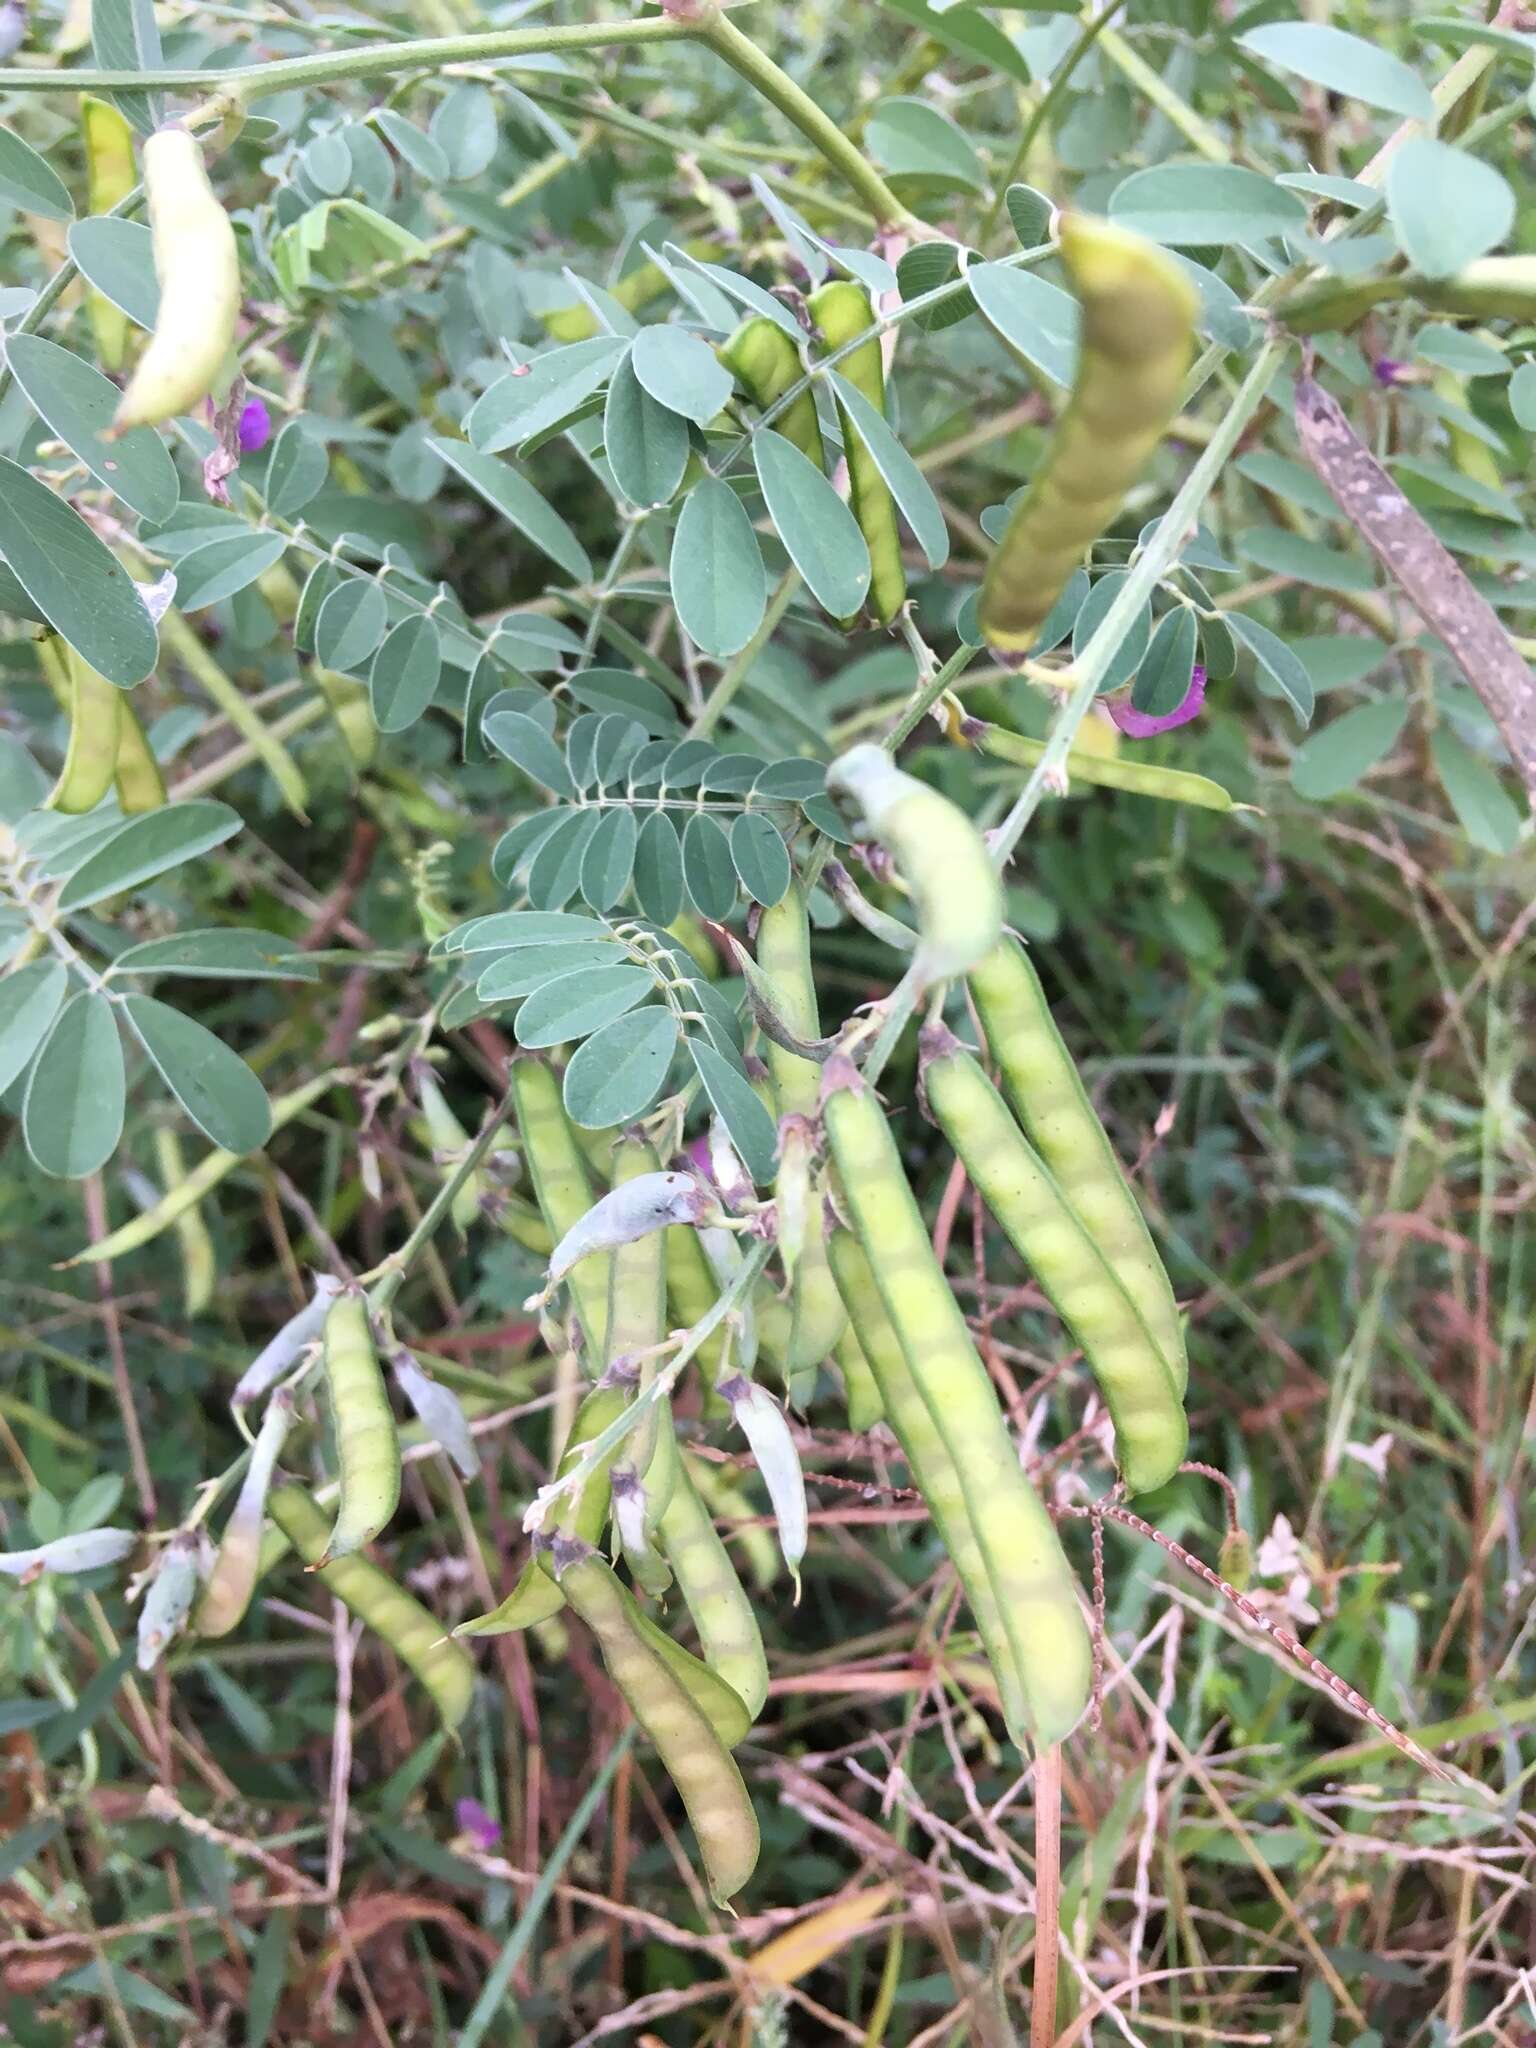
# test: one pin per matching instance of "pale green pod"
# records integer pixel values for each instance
(939, 854)
(367, 1443)
(438, 1410)
(934, 1469)
(88, 1551)
(199, 1263)
(95, 730)
(692, 1292)
(168, 1601)
(562, 1188)
(197, 262)
(232, 1581)
(762, 1422)
(715, 1597)
(1105, 771)
(450, 1141)
(695, 1758)
(415, 1635)
(1151, 1433)
(1137, 336)
(765, 362)
(283, 1351)
(861, 1389)
(1046, 1094)
(1032, 1583)
(842, 310)
(784, 958)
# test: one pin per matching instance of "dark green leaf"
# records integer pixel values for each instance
(718, 585)
(519, 504)
(505, 929)
(820, 534)
(1132, 649)
(29, 1001)
(428, 159)
(681, 372)
(612, 689)
(1278, 662)
(969, 32)
(610, 858)
(761, 857)
(554, 875)
(1162, 681)
(28, 1842)
(124, 38)
(74, 579)
(1342, 63)
(464, 128)
(232, 953)
(73, 1114)
(1488, 815)
(298, 470)
(751, 1128)
(903, 479)
(619, 1072)
(1522, 396)
(116, 257)
(525, 743)
(213, 1085)
(646, 444)
(210, 574)
(1030, 213)
(1446, 206)
(404, 676)
(148, 846)
(351, 625)
(1338, 754)
(707, 866)
(544, 391)
(659, 869)
(511, 975)
(29, 183)
(575, 1005)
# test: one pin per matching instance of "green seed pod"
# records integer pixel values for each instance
(140, 784)
(1031, 1582)
(939, 854)
(860, 1386)
(1105, 771)
(1045, 1090)
(110, 177)
(367, 1445)
(95, 730)
(722, 1613)
(197, 262)
(1235, 1563)
(696, 1759)
(168, 1602)
(562, 1188)
(233, 1579)
(1138, 329)
(842, 310)
(1151, 1434)
(765, 362)
(199, 1266)
(415, 1636)
(934, 1470)
(449, 1141)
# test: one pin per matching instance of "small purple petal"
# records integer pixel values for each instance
(475, 1822)
(1142, 725)
(1387, 370)
(255, 427)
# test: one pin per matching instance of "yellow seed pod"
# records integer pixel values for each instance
(95, 731)
(140, 783)
(765, 362)
(198, 264)
(1138, 327)
(110, 176)
(940, 855)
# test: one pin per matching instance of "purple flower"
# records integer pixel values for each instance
(1141, 725)
(475, 1822)
(255, 426)
(1388, 371)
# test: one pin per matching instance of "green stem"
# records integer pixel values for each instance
(929, 694)
(389, 1278)
(721, 35)
(1092, 665)
(736, 674)
(1200, 135)
(246, 82)
(1061, 77)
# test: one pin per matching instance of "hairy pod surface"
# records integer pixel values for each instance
(1046, 1093)
(1151, 1434)
(197, 262)
(1033, 1589)
(1138, 329)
